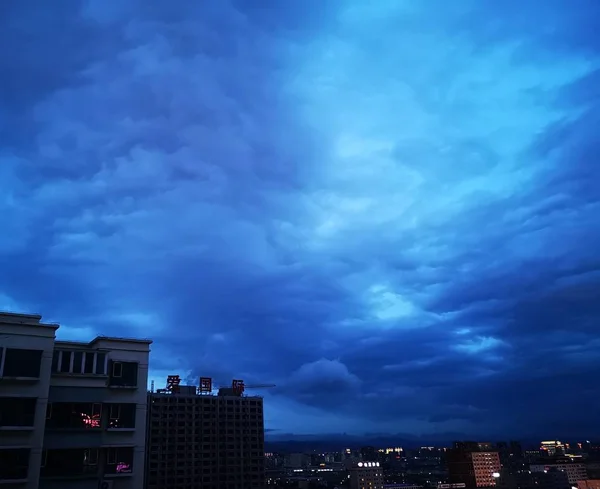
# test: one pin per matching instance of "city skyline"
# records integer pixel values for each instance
(389, 210)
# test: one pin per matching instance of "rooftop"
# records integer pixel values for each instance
(7, 317)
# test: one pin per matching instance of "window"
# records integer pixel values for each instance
(111, 456)
(89, 363)
(90, 456)
(119, 460)
(122, 416)
(123, 374)
(77, 362)
(14, 463)
(115, 411)
(22, 363)
(17, 411)
(55, 360)
(117, 370)
(65, 361)
(101, 363)
(67, 415)
(70, 462)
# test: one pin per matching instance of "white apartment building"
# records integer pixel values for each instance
(72, 414)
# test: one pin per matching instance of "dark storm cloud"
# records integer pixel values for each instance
(389, 211)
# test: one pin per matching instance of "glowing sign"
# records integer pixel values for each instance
(173, 382)
(205, 385)
(123, 468)
(238, 386)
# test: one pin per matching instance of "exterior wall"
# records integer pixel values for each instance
(485, 464)
(195, 441)
(94, 388)
(26, 332)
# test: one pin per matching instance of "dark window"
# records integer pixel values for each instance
(124, 374)
(70, 462)
(100, 363)
(14, 463)
(22, 363)
(68, 415)
(17, 411)
(117, 369)
(77, 360)
(119, 460)
(121, 416)
(55, 356)
(89, 363)
(65, 362)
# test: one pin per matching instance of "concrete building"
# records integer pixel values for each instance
(89, 408)
(26, 346)
(366, 475)
(474, 464)
(198, 439)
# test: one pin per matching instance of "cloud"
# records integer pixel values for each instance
(387, 210)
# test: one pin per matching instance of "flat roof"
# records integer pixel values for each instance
(143, 341)
(7, 317)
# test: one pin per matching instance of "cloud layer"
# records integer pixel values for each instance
(388, 210)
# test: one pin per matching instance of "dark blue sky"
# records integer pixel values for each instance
(390, 209)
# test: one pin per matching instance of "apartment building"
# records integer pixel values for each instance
(199, 439)
(88, 401)
(576, 471)
(366, 475)
(26, 347)
(473, 464)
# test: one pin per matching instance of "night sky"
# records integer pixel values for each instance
(390, 209)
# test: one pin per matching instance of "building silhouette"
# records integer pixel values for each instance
(200, 439)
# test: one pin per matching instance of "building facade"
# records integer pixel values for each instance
(204, 440)
(366, 475)
(473, 464)
(575, 471)
(89, 405)
(26, 347)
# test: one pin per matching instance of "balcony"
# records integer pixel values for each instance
(119, 462)
(79, 363)
(121, 417)
(77, 463)
(14, 465)
(17, 413)
(83, 416)
(123, 375)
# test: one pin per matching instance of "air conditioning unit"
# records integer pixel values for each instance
(106, 484)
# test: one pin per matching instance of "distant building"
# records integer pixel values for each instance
(575, 471)
(204, 440)
(552, 448)
(366, 475)
(474, 464)
(72, 413)
(589, 484)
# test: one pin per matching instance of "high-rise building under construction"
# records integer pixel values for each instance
(200, 439)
